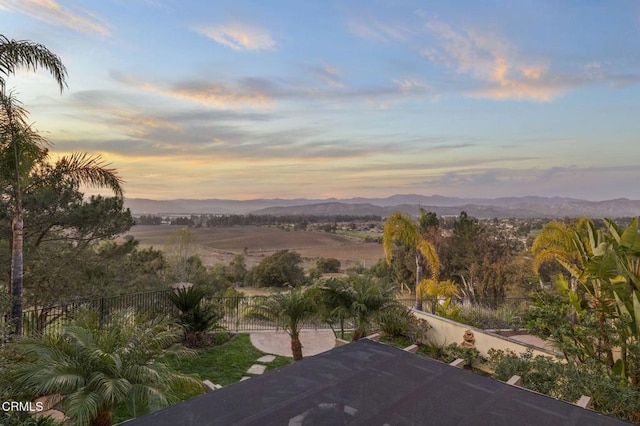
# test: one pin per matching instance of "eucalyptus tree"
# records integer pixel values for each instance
(400, 229)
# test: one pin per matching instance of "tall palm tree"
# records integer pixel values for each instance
(94, 367)
(23, 157)
(18, 136)
(400, 229)
(289, 310)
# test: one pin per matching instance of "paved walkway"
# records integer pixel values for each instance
(279, 342)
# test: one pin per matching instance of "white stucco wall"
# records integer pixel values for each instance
(444, 332)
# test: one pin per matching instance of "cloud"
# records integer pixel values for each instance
(239, 36)
(495, 63)
(248, 93)
(51, 12)
(260, 93)
(374, 30)
(410, 86)
(329, 75)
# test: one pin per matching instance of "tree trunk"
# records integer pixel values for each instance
(17, 267)
(574, 290)
(296, 347)
(102, 419)
(418, 279)
(358, 333)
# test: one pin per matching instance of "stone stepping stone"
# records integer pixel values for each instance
(267, 358)
(244, 378)
(256, 369)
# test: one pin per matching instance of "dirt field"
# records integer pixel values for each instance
(221, 244)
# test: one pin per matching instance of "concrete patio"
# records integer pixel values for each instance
(279, 342)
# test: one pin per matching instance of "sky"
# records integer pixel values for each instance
(321, 98)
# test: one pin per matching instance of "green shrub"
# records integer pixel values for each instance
(470, 355)
(395, 321)
(400, 321)
(569, 381)
(196, 316)
(26, 419)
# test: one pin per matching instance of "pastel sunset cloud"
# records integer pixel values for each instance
(238, 36)
(205, 93)
(51, 12)
(493, 61)
(239, 99)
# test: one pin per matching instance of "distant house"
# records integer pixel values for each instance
(369, 383)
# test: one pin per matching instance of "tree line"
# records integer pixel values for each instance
(213, 220)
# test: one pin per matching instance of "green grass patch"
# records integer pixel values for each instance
(397, 341)
(223, 364)
(227, 363)
(348, 335)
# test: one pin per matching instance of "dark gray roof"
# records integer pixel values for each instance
(369, 383)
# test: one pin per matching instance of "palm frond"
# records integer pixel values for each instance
(555, 234)
(429, 253)
(96, 368)
(26, 54)
(82, 168)
(399, 229)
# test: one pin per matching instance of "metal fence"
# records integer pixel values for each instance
(482, 313)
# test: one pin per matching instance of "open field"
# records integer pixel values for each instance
(220, 244)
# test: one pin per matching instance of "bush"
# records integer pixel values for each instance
(26, 419)
(196, 316)
(328, 265)
(470, 355)
(502, 317)
(400, 321)
(570, 380)
(280, 269)
(395, 321)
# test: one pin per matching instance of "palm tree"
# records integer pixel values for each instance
(369, 299)
(26, 54)
(336, 300)
(605, 263)
(438, 291)
(400, 229)
(23, 157)
(93, 368)
(289, 310)
(18, 136)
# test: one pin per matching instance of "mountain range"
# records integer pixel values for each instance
(517, 207)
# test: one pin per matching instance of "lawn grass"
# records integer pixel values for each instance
(222, 364)
(226, 363)
(400, 342)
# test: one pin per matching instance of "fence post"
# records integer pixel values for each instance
(102, 312)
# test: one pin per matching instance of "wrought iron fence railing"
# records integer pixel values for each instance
(482, 313)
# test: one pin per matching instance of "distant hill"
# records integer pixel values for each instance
(521, 207)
